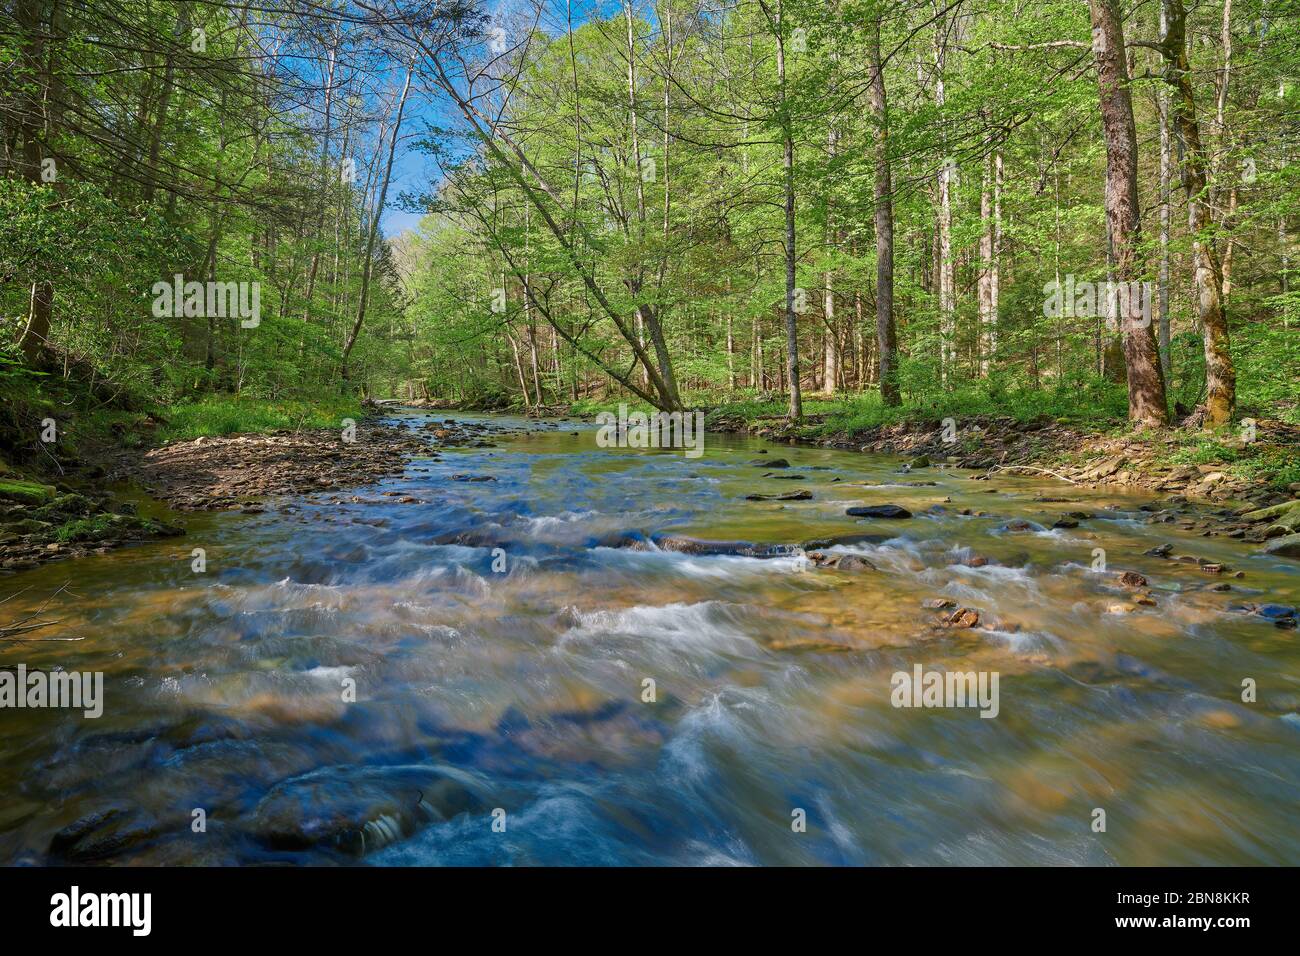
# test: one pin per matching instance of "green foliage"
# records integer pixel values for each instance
(1103, 403)
(1279, 464)
(229, 416)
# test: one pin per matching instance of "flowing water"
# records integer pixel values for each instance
(502, 714)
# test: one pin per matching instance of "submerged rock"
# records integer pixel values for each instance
(818, 544)
(1275, 612)
(788, 496)
(809, 645)
(356, 810)
(102, 835)
(1020, 524)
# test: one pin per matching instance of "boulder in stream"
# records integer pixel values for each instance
(840, 562)
(1286, 546)
(878, 511)
(700, 546)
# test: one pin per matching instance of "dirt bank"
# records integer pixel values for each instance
(238, 472)
(42, 522)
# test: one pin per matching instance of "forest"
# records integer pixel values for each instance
(1052, 204)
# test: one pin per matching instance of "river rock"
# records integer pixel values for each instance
(103, 835)
(878, 511)
(819, 544)
(746, 549)
(1021, 524)
(1131, 579)
(840, 562)
(355, 810)
(788, 496)
(1285, 516)
(1287, 546)
(937, 604)
(963, 617)
(773, 463)
(1275, 612)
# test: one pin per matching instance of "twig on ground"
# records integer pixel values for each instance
(1044, 471)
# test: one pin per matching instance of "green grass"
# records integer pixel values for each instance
(85, 529)
(225, 415)
(1279, 465)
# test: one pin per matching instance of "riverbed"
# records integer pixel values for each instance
(488, 660)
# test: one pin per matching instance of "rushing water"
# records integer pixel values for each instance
(522, 690)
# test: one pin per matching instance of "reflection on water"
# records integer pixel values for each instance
(522, 690)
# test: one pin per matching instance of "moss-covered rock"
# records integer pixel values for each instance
(1285, 516)
(27, 526)
(25, 492)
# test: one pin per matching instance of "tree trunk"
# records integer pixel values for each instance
(35, 78)
(944, 265)
(1166, 174)
(986, 268)
(368, 266)
(1146, 383)
(1220, 376)
(886, 333)
(787, 165)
